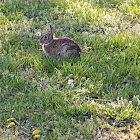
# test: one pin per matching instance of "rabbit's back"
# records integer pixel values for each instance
(62, 47)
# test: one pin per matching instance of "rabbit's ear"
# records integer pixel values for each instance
(52, 29)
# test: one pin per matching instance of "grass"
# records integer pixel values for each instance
(56, 95)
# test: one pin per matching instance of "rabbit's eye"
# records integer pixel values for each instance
(46, 37)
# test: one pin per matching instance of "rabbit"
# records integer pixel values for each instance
(62, 47)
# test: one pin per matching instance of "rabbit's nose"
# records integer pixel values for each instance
(40, 41)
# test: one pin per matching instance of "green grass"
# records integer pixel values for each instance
(35, 89)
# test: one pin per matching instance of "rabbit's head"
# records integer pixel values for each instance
(47, 38)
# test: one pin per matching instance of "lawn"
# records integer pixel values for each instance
(95, 97)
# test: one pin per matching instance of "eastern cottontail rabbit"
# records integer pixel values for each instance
(58, 46)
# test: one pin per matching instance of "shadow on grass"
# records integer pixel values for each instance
(52, 63)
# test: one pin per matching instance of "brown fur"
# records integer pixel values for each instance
(59, 46)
